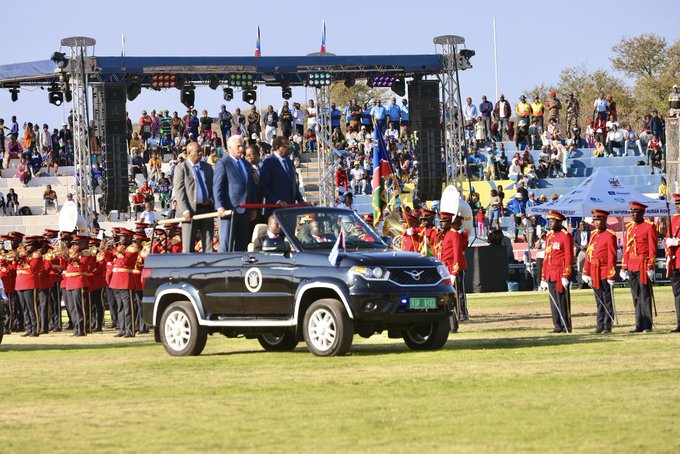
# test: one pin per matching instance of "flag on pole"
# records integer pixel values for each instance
(426, 247)
(339, 243)
(382, 169)
(323, 38)
(258, 48)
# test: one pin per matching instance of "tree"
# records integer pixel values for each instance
(640, 57)
(341, 95)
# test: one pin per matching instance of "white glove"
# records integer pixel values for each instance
(409, 231)
(671, 242)
(611, 282)
(565, 282)
(587, 279)
(544, 285)
(650, 275)
(624, 275)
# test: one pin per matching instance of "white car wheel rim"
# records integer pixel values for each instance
(322, 330)
(177, 331)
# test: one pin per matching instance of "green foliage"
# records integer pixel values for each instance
(341, 95)
(640, 57)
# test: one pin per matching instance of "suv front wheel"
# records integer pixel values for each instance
(431, 336)
(327, 328)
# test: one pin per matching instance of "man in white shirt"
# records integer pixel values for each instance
(615, 139)
(358, 178)
(148, 216)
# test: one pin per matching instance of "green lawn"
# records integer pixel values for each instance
(502, 384)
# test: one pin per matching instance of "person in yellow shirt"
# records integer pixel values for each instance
(523, 111)
(537, 110)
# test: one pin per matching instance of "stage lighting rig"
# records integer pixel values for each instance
(59, 58)
(249, 96)
(213, 82)
(228, 93)
(381, 81)
(464, 57)
(14, 94)
(399, 87)
(286, 92)
(241, 80)
(319, 79)
(133, 90)
(349, 83)
(188, 96)
(55, 96)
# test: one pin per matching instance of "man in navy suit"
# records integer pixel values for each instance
(233, 186)
(277, 177)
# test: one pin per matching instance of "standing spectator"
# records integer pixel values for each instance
(486, 110)
(271, 122)
(299, 118)
(24, 172)
(239, 123)
(581, 239)
(674, 108)
(573, 112)
(537, 111)
(656, 126)
(193, 188)
(502, 112)
(394, 113)
(553, 105)
(480, 132)
(654, 153)
(367, 118)
(145, 126)
(517, 206)
(155, 164)
(336, 117)
(405, 119)
(523, 111)
(600, 110)
(311, 115)
(494, 207)
(612, 115)
(225, 119)
(206, 125)
(254, 125)
(341, 181)
(286, 118)
(155, 122)
(379, 115)
(481, 222)
(165, 122)
(14, 130)
(355, 112)
(176, 125)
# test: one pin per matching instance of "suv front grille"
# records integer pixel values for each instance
(414, 276)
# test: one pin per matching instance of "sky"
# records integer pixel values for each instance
(554, 35)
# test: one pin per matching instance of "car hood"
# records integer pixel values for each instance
(381, 258)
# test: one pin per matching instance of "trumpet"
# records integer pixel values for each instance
(392, 226)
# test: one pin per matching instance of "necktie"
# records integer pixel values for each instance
(201, 183)
(242, 166)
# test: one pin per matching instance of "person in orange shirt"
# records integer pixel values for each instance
(537, 111)
(599, 269)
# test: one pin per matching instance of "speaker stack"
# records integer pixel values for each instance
(110, 123)
(424, 118)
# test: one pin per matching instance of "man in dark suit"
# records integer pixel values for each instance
(277, 177)
(193, 189)
(581, 239)
(234, 186)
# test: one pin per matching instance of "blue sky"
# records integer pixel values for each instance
(566, 34)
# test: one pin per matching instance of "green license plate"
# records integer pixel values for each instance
(422, 303)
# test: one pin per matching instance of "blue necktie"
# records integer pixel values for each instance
(201, 183)
(242, 166)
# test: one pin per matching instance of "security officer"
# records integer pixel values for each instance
(123, 283)
(556, 273)
(639, 254)
(29, 267)
(599, 269)
(673, 258)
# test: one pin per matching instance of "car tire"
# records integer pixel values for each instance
(283, 343)
(327, 328)
(180, 332)
(431, 336)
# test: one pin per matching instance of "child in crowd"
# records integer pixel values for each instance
(481, 222)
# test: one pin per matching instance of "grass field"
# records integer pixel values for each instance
(501, 384)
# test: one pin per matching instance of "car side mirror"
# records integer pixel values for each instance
(275, 245)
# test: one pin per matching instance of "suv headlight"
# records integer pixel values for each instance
(443, 271)
(370, 273)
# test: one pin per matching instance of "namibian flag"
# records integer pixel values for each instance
(258, 48)
(426, 247)
(323, 38)
(382, 169)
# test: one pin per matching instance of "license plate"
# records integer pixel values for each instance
(422, 303)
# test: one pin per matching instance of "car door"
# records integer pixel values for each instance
(221, 284)
(267, 281)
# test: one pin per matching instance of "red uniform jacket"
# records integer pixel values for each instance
(559, 256)
(601, 256)
(8, 274)
(445, 247)
(410, 242)
(639, 252)
(78, 271)
(98, 278)
(28, 272)
(122, 275)
(672, 253)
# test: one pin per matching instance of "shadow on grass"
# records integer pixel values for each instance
(47, 347)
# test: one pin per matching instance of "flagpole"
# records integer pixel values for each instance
(122, 42)
(495, 55)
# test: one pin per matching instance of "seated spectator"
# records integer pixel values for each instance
(515, 170)
(631, 139)
(535, 131)
(522, 136)
(599, 149)
(391, 132)
(476, 164)
(654, 153)
(615, 139)
(555, 168)
(148, 216)
(310, 141)
(35, 162)
(137, 165)
(590, 134)
(12, 202)
(50, 198)
(24, 172)
(341, 183)
(2, 201)
(137, 204)
(136, 142)
(544, 161)
(531, 176)
(554, 129)
(358, 177)
(147, 191)
(97, 175)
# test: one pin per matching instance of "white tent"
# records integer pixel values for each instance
(600, 190)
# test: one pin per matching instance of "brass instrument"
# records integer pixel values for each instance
(392, 226)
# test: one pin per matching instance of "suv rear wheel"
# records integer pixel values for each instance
(430, 336)
(283, 342)
(327, 328)
(180, 332)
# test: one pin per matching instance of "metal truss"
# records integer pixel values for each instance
(326, 162)
(455, 142)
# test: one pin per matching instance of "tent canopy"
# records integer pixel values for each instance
(601, 190)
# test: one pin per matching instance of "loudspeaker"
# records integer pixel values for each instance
(110, 127)
(424, 120)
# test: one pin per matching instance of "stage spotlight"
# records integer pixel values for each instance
(214, 82)
(55, 96)
(464, 57)
(241, 80)
(228, 94)
(188, 96)
(399, 87)
(349, 83)
(133, 90)
(68, 95)
(320, 79)
(381, 81)
(59, 58)
(249, 96)
(14, 94)
(286, 92)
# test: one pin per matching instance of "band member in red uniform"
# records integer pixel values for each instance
(599, 269)
(460, 266)
(43, 285)
(79, 264)
(139, 240)
(8, 274)
(29, 267)
(673, 258)
(409, 239)
(639, 255)
(446, 248)
(97, 285)
(427, 228)
(54, 266)
(556, 275)
(123, 282)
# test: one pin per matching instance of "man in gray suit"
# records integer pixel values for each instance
(193, 188)
(234, 186)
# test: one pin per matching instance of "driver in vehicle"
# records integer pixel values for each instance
(273, 231)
